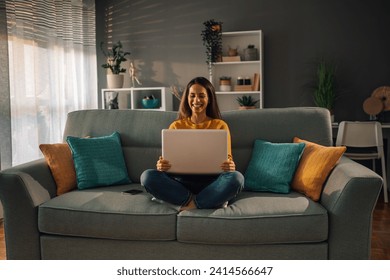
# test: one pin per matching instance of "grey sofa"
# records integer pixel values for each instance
(102, 223)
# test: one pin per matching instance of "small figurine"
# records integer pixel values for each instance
(133, 75)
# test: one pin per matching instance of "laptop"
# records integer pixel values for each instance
(195, 151)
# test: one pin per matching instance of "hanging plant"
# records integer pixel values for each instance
(212, 40)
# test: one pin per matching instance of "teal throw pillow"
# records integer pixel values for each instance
(272, 166)
(98, 161)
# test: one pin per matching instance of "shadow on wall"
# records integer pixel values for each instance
(164, 38)
(158, 44)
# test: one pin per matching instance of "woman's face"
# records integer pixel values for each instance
(198, 99)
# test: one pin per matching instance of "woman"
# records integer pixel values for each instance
(198, 110)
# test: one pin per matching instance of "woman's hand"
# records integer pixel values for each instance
(228, 165)
(162, 164)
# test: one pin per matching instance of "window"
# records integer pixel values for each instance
(52, 69)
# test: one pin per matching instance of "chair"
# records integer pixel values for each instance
(364, 141)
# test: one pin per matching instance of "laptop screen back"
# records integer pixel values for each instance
(195, 151)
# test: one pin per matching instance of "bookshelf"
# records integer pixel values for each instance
(131, 98)
(242, 66)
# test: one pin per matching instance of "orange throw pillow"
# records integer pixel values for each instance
(316, 163)
(60, 161)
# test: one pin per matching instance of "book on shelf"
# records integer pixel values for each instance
(256, 82)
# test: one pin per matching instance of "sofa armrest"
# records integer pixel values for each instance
(21, 193)
(350, 195)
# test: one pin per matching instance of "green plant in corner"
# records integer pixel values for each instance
(324, 90)
(115, 56)
(246, 101)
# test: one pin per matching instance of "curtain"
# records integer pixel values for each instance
(52, 69)
(5, 113)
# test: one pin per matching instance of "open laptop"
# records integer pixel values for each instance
(195, 151)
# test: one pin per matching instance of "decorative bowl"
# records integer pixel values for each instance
(150, 103)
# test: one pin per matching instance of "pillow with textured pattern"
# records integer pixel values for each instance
(272, 166)
(98, 161)
(314, 168)
(60, 161)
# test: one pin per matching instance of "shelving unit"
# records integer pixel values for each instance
(131, 98)
(234, 69)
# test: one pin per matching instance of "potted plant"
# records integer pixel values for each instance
(225, 80)
(324, 89)
(250, 53)
(212, 40)
(115, 56)
(225, 83)
(246, 102)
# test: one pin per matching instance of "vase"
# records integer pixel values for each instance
(250, 54)
(232, 52)
(115, 81)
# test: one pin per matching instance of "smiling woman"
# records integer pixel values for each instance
(200, 87)
(198, 110)
(198, 100)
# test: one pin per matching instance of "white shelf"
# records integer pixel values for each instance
(237, 62)
(244, 68)
(237, 92)
(131, 98)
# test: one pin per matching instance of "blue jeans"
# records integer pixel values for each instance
(206, 191)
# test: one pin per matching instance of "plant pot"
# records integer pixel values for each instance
(250, 54)
(225, 85)
(225, 88)
(246, 107)
(115, 81)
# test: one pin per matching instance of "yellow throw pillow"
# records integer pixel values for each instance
(316, 163)
(60, 161)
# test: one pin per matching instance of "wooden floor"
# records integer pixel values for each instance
(380, 245)
(380, 242)
(2, 242)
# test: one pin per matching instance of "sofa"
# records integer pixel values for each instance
(103, 223)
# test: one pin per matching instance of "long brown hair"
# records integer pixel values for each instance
(212, 109)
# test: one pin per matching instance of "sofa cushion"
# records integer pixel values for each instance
(59, 159)
(98, 161)
(314, 167)
(256, 218)
(108, 213)
(272, 166)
